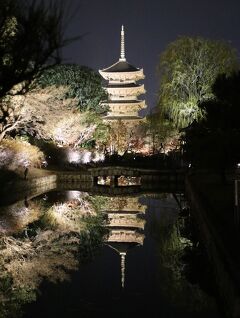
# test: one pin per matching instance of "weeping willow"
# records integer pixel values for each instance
(187, 69)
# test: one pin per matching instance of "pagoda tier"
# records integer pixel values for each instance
(122, 91)
(126, 227)
(125, 235)
(126, 220)
(122, 88)
(119, 108)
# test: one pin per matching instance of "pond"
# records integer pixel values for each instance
(74, 254)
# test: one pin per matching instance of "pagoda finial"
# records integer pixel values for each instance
(123, 257)
(122, 55)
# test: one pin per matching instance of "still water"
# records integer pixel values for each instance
(73, 254)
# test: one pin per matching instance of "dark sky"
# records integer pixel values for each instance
(149, 26)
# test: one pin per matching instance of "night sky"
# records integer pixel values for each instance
(149, 26)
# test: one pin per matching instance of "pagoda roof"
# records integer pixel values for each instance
(120, 247)
(120, 66)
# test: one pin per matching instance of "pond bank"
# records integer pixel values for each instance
(212, 206)
(37, 182)
(167, 180)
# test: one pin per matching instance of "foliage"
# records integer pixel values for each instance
(101, 133)
(163, 136)
(15, 217)
(92, 238)
(68, 216)
(188, 68)
(71, 130)
(83, 84)
(214, 142)
(15, 153)
(12, 300)
(31, 36)
(50, 248)
(125, 136)
(99, 203)
(171, 249)
(45, 114)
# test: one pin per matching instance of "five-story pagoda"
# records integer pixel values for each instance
(122, 88)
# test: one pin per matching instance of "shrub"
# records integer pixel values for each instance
(16, 153)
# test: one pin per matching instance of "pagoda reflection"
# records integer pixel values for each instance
(126, 221)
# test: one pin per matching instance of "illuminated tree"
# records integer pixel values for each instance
(84, 85)
(31, 35)
(188, 68)
(46, 113)
(126, 136)
(162, 135)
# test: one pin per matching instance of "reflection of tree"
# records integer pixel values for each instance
(15, 217)
(49, 255)
(174, 286)
(68, 216)
(50, 248)
(26, 262)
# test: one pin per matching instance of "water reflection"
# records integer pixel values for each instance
(120, 181)
(126, 224)
(45, 241)
(49, 239)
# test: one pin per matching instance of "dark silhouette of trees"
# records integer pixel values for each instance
(31, 36)
(214, 141)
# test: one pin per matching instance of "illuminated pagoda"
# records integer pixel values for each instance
(122, 88)
(126, 224)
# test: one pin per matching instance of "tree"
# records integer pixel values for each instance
(31, 35)
(84, 84)
(214, 141)
(44, 114)
(162, 135)
(62, 105)
(126, 136)
(188, 69)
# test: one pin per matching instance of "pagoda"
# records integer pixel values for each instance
(123, 89)
(126, 224)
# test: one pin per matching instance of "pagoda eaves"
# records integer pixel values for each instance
(122, 88)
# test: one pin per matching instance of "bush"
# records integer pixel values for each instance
(16, 153)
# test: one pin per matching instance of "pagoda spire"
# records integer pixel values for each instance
(123, 258)
(122, 54)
